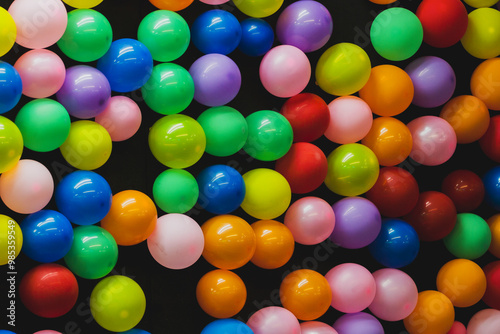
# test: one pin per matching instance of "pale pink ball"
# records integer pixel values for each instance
(122, 118)
(274, 320)
(316, 327)
(486, 321)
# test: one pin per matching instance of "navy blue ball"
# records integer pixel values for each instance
(491, 181)
(257, 37)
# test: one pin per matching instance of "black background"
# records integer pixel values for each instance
(171, 302)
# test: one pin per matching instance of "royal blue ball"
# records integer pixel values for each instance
(11, 87)
(257, 37)
(491, 181)
(227, 326)
(135, 331)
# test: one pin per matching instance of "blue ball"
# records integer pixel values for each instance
(396, 245)
(11, 87)
(127, 65)
(227, 326)
(3, 331)
(135, 331)
(491, 181)
(222, 189)
(216, 31)
(257, 37)
(47, 236)
(84, 197)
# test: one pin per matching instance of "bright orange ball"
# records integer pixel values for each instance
(433, 314)
(173, 5)
(484, 83)
(494, 223)
(306, 293)
(468, 116)
(390, 140)
(132, 217)
(389, 90)
(274, 244)
(229, 241)
(221, 293)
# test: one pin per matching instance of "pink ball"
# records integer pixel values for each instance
(214, 2)
(274, 320)
(350, 120)
(353, 287)
(486, 321)
(434, 140)
(47, 331)
(316, 327)
(311, 220)
(122, 118)
(285, 71)
(396, 295)
(176, 242)
(42, 72)
(27, 187)
(457, 328)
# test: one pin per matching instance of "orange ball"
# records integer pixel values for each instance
(274, 244)
(389, 90)
(434, 313)
(462, 281)
(132, 217)
(221, 293)
(484, 83)
(306, 293)
(494, 223)
(229, 241)
(173, 5)
(390, 140)
(468, 116)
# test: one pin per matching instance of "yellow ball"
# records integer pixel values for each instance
(258, 8)
(268, 193)
(8, 32)
(83, 3)
(482, 37)
(88, 145)
(11, 239)
(480, 3)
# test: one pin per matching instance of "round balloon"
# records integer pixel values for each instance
(437, 322)
(465, 188)
(226, 326)
(259, 8)
(175, 191)
(491, 181)
(457, 328)
(485, 321)
(173, 5)
(273, 320)
(257, 37)
(483, 83)
(274, 244)
(9, 247)
(11, 87)
(316, 327)
(11, 147)
(9, 31)
(470, 238)
(492, 294)
(358, 323)
(122, 118)
(488, 142)
(216, 31)
(482, 37)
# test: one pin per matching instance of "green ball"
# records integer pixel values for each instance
(396, 33)
(44, 124)
(11, 144)
(175, 191)
(165, 33)
(88, 35)
(226, 130)
(470, 238)
(93, 254)
(270, 135)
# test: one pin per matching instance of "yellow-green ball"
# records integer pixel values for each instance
(11, 239)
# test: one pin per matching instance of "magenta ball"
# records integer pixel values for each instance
(274, 320)
(47, 331)
(358, 323)
(316, 327)
(122, 118)
(486, 321)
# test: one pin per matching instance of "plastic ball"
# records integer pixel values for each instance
(88, 35)
(176, 242)
(274, 320)
(12, 144)
(257, 37)
(383, 2)
(482, 37)
(226, 326)
(83, 3)
(350, 120)
(122, 118)
(216, 31)
(165, 33)
(457, 328)
(49, 290)
(169, 90)
(44, 124)
(485, 321)
(494, 224)
(308, 115)
(489, 143)
(432, 322)
(357, 222)
(259, 8)
(11, 87)
(214, 2)
(465, 188)
(396, 34)
(343, 69)
(352, 170)
(177, 141)
(229, 241)
(353, 287)
(93, 254)
(285, 71)
(27, 187)
(221, 293)
(117, 303)
(397, 244)
(358, 323)
(47, 331)
(316, 327)
(274, 244)
(306, 293)
(268, 193)
(9, 31)
(492, 293)
(483, 83)
(491, 181)
(135, 331)
(470, 238)
(173, 5)
(175, 191)
(11, 239)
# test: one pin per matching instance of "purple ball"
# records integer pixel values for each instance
(306, 25)
(85, 92)
(358, 323)
(217, 79)
(433, 79)
(357, 222)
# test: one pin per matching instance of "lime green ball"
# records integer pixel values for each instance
(11, 144)
(44, 124)
(226, 130)
(470, 238)
(175, 191)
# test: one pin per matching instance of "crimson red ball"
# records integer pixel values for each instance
(444, 21)
(395, 193)
(304, 167)
(465, 188)
(492, 295)
(433, 217)
(49, 290)
(308, 115)
(490, 141)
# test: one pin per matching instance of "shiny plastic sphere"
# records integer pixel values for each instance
(274, 244)
(216, 31)
(435, 322)
(465, 188)
(11, 87)
(257, 37)
(12, 146)
(483, 83)
(470, 238)
(492, 294)
(9, 247)
(175, 191)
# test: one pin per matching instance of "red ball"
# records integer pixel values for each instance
(465, 188)
(490, 141)
(304, 167)
(444, 21)
(49, 290)
(457, 328)
(395, 193)
(308, 115)
(492, 295)
(433, 217)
